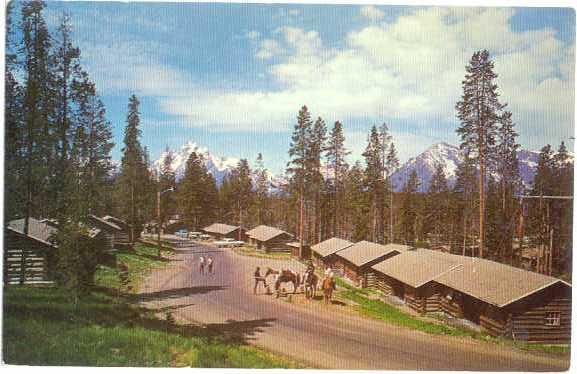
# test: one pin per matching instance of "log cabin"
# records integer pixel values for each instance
(295, 249)
(121, 238)
(220, 231)
(270, 239)
(29, 258)
(503, 300)
(508, 301)
(409, 276)
(109, 230)
(355, 262)
(323, 254)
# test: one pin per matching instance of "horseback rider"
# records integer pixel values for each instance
(310, 267)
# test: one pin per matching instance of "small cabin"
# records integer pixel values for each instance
(295, 250)
(29, 257)
(121, 238)
(355, 262)
(220, 231)
(323, 254)
(270, 239)
(108, 230)
(409, 276)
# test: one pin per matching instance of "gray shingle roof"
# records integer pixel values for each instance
(330, 246)
(102, 221)
(220, 228)
(415, 268)
(265, 233)
(37, 230)
(495, 283)
(362, 253)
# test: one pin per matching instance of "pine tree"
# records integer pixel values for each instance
(14, 143)
(374, 179)
(196, 193)
(316, 147)
(166, 181)
(465, 189)
(297, 168)
(391, 166)
(90, 116)
(437, 204)
(133, 181)
(261, 191)
(410, 209)
(66, 65)
(37, 108)
(356, 223)
(241, 182)
(479, 113)
(336, 162)
(507, 167)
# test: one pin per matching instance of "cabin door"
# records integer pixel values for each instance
(472, 309)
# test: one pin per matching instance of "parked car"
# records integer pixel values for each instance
(229, 243)
(204, 237)
(194, 235)
(181, 233)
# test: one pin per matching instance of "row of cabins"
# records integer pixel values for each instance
(29, 257)
(266, 238)
(503, 300)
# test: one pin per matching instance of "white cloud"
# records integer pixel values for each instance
(269, 48)
(409, 69)
(253, 34)
(372, 13)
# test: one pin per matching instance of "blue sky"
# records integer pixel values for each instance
(232, 77)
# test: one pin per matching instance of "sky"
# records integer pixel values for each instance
(232, 77)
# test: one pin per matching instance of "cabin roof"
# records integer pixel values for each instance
(495, 283)
(363, 252)
(330, 246)
(265, 233)
(37, 230)
(220, 228)
(115, 220)
(416, 267)
(102, 221)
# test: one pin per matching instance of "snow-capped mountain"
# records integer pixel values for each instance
(219, 167)
(449, 156)
(445, 154)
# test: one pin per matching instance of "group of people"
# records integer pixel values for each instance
(208, 263)
(328, 284)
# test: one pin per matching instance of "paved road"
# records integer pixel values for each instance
(321, 336)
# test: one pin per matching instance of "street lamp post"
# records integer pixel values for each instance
(158, 194)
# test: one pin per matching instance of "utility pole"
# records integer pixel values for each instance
(159, 223)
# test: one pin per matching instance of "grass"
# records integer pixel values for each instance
(253, 252)
(380, 310)
(45, 326)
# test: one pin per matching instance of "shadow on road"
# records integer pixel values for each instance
(238, 331)
(177, 293)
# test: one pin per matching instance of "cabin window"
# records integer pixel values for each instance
(553, 319)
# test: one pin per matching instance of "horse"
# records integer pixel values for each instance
(284, 276)
(310, 282)
(328, 287)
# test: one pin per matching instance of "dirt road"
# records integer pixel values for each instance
(320, 336)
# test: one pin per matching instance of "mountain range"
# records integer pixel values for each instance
(447, 155)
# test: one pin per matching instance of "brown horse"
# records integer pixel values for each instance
(310, 282)
(328, 287)
(284, 276)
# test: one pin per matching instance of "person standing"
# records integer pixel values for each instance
(201, 264)
(210, 263)
(258, 278)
